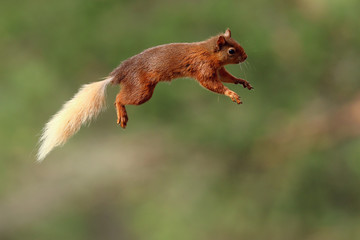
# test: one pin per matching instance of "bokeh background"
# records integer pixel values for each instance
(191, 164)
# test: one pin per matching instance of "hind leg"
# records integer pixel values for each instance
(122, 117)
(131, 95)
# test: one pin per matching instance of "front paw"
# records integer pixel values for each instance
(247, 85)
(234, 97)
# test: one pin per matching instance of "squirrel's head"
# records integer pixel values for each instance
(228, 50)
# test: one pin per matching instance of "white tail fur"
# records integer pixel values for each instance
(84, 106)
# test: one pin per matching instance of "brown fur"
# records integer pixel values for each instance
(203, 61)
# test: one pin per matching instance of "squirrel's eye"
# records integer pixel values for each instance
(231, 51)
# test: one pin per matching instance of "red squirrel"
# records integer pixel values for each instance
(138, 77)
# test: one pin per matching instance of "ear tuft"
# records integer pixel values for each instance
(227, 33)
(220, 42)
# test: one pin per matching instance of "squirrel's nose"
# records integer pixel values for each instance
(243, 57)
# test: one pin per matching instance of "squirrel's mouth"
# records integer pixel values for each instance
(241, 59)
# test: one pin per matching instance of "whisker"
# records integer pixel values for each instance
(251, 66)
(246, 65)
(242, 69)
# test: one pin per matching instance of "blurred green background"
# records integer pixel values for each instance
(191, 164)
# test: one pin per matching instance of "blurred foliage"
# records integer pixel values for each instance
(191, 164)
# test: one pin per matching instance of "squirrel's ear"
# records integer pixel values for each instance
(227, 33)
(220, 42)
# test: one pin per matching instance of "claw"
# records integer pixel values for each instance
(236, 100)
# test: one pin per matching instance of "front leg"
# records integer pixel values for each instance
(225, 76)
(214, 84)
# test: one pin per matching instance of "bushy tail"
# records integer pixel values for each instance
(84, 106)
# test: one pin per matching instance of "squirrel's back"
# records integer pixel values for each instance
(178, 59)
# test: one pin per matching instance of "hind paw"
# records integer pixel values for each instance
(122, 121)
